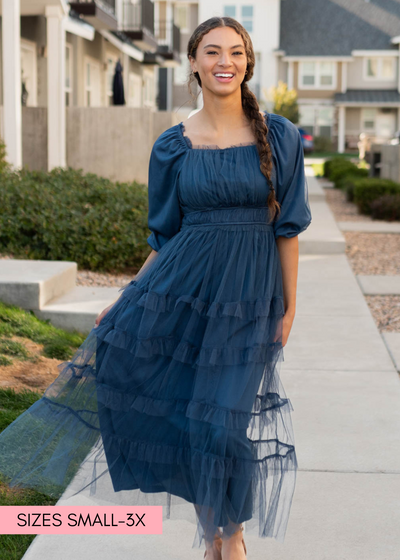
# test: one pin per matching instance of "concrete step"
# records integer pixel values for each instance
(78, 308)
(379, 284)
(31, 284)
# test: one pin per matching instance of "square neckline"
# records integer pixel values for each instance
(213, 147)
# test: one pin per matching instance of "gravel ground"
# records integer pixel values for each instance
(370, 253)
(342, 210)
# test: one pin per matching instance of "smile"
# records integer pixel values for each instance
(224, 76)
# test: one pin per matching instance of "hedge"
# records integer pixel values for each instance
(368, 190)
(68, 215)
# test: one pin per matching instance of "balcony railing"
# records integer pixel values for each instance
(99, 13)
(167, 33)
(138, 16)
(108, 5)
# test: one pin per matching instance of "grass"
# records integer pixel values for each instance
(12, 404)
(58, 344)
(15, 321)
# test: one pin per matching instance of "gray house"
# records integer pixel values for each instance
(342, 57)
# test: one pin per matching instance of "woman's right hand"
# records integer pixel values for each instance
(102, 314)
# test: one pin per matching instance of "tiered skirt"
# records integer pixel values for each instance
(175, 399)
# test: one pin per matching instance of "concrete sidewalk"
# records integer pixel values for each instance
(345, 392)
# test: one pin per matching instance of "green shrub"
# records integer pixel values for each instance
(386, 207)
(330, 163)
(340, 170)
(4, 165)
(346, 183)
(322, 144)
(68, 215)
(369, 189)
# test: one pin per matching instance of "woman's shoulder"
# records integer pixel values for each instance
(281, 128)
(170, 140)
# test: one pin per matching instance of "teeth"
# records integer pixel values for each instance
(224, 75)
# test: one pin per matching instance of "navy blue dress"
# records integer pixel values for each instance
(176, 395)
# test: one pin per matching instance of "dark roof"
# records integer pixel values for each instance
(336, 27)
(368, 96)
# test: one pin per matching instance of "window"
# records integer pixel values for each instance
(181, 17)
(230, 11)
(308, 73)
(247, 18)
(317, 119)
(326, 73)
(317, 75)
(68, 75)
(368, 119)
(379, 68)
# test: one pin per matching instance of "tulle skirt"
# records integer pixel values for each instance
(175, 399)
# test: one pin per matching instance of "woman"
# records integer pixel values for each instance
(177, 386)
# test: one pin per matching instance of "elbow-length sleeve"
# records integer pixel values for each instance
(291, 182)
(164, 217)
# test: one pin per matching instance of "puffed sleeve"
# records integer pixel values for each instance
(164, 217)
(291, 182)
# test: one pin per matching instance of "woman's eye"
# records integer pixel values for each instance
(213, 52)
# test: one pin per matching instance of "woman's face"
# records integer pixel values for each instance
(221, 50)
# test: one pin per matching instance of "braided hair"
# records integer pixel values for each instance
(249, 100)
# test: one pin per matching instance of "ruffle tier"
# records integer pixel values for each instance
(110, 427)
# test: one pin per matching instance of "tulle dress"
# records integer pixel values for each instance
(175, 399)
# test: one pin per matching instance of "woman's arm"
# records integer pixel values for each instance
(288, 248)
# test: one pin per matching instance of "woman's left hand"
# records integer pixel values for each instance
(287, 322)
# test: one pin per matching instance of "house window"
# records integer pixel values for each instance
(317, 75)
(230, 11)
(326, 73)
(247, 18)
(368, 119)
(308, 73)
(382, 68)
(68, 75)
(181, 17)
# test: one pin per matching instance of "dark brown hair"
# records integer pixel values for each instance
(249, 100)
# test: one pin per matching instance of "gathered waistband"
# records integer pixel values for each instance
(227, 216)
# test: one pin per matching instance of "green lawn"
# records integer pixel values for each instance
(58, 344)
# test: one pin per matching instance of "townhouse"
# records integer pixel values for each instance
(342, 58)
(59, 54)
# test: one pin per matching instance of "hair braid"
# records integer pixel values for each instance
(249, 100)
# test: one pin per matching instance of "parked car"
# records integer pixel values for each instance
(307, 140)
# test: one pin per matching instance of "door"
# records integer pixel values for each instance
(385, 125)
(92, 83)
(135, 90)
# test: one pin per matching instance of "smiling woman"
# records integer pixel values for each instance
(176, 393)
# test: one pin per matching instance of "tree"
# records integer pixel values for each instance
(285, 101)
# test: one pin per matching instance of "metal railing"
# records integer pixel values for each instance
(138, 16)
(167, 33)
